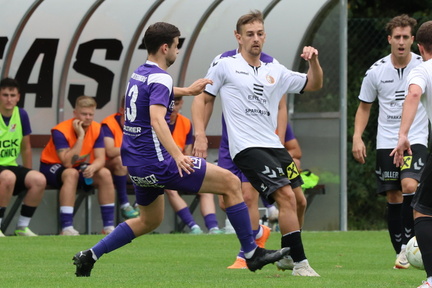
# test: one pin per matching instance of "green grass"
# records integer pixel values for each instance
(344, 259)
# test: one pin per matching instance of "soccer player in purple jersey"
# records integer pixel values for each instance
(155, 163)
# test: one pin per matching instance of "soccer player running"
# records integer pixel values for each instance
(251, 91)
(419, 82)
(155, 163)
(385, 80)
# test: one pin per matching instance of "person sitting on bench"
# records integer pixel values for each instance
(15, 133)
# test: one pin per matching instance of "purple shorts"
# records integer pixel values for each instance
(225, 161)
(150, 181)
(53, 173)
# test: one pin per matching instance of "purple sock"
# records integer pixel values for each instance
(121, 186)
(66, 219)
(121, 236)
(255, 232)
(211, 221)
(238, 215)
(107, 212)
(186, 216)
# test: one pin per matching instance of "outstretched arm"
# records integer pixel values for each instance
(315, 73)
(408, 113)
(194, 89)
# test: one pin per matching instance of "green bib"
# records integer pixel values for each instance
(11, 137)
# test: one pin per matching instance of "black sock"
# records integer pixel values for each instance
(394, 222)
(407, 218)
(423, 232)
(2, 212)
(293, 240)
(27, 211)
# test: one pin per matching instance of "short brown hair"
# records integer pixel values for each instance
(85, 101)
(9, 83)
(251, 17)
(158, 34)
(401, 21)
(424, 36)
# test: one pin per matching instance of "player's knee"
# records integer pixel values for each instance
(150, 223)
(409, 188)
(250, 199)
(70, 174)
(231, 182)
(301, 203)
(285, 198)
(103, 173)
(7, 178)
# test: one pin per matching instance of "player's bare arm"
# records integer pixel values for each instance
(159, 124)
(200, 110)
(282, 119)
(315, 73)
(409, 111)
(360, 123)
(110, 149)
(26, 152)
(195, 88)
(97, 164)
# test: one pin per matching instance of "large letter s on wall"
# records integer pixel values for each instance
(103, 76)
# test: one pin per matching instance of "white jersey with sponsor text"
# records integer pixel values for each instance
(250, 98)
(422, 76)
(388, 84)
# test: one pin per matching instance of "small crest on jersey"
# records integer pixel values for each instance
(270, 79)
(12, 129)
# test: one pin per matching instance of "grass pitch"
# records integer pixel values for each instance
(343, 259)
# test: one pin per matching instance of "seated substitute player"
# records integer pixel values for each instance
(155, 163)
(250, 94)
(72, 143)
(15, 133)
(419, 87)
(113, 134)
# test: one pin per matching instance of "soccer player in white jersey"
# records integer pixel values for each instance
(385, 81)
(250, 195)
(155, 163)
(250, 91)
(419, 87)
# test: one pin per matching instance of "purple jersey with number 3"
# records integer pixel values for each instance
(148, 85)
(150, 166)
